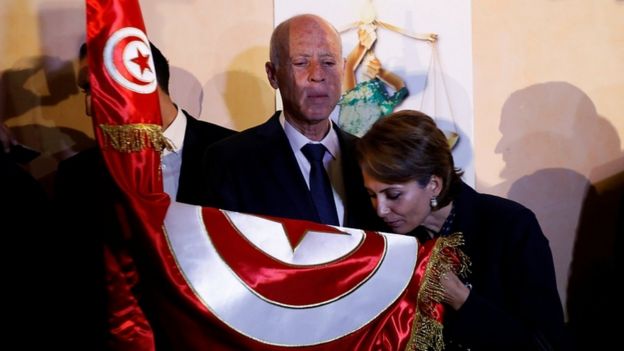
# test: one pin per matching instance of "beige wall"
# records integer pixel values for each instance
(549, 120)
(216, 51)
(549, 87)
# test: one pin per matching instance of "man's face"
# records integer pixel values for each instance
(83, 84)
(310, 70)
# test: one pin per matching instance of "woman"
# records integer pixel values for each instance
(509, 299)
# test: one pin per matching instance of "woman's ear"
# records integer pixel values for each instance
(435, 185)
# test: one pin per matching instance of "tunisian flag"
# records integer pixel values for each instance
(197, 278)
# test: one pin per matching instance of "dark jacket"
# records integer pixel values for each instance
(256, 172)
(198, 137)
(514, 303)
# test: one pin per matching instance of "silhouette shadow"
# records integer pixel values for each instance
(35, 94)
(38, 94)
(186, 91)
(554, 146)
(248, 100)
(20, 94)
(58, 144)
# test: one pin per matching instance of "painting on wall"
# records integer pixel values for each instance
(402, 54)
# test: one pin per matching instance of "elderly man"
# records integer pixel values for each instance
(298, 164)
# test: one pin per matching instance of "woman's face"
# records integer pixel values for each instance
(403, 206)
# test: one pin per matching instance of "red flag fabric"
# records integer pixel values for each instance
(217, 280)
(125, 104)
(127, 127)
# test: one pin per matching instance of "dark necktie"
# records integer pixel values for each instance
(320, 187)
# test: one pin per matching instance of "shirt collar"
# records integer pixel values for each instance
(298, 140)
(175, 132)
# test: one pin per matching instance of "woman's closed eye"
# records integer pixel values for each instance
(393, 195)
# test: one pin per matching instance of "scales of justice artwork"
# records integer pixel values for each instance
(402, 54)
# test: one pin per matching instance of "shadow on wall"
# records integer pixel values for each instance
(36, 81)
(249, 100)
(557, 152)
(186, 91)
(39, 93)
(30, 97)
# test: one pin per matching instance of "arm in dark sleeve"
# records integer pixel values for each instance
(529, 316)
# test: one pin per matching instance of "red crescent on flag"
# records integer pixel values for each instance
(128, 60)
(210, 281)
(307, 284)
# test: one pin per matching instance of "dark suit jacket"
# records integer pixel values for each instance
(88, 204)
(513, 304)
(256, 172)
(198, 136)
(86, 198)
(27, 233)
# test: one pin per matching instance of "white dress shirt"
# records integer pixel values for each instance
(171, 161)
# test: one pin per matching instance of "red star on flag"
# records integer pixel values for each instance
(142, 61)
(296, 230)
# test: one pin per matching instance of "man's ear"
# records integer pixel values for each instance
(271, 74)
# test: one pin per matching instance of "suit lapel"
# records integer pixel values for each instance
(284, 169)
(189, 140)
(190, 167)
(467, 215)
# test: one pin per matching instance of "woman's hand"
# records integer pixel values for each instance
(455, 292)
(367, 36)
(373, 66)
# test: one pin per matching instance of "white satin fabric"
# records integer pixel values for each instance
(245, 311)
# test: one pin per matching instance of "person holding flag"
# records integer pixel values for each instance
(219, 280)
(87, 197)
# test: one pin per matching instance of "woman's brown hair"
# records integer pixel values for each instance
(407, 145)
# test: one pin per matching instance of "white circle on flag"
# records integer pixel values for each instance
(128, 60)
(218, 287)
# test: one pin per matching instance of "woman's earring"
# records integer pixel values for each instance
(433, 202)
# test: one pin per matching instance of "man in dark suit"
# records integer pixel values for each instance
(25, 226)
(264, 170)
(92, 211)
(189, 137)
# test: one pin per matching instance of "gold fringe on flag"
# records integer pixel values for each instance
(135, 137)
(445, 257)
